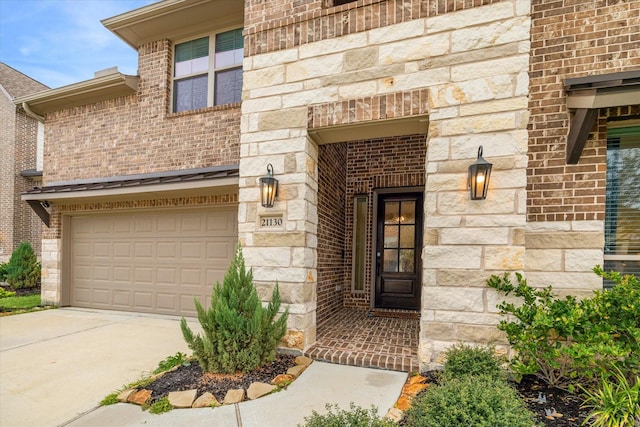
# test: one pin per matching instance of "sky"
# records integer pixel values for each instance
(60, 42)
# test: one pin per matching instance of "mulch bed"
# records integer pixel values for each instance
(563, 402)
(530, 388)
(192, 377)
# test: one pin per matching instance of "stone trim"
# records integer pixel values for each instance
(379, 107)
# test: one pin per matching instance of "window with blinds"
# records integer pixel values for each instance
(622, 219)
(203, 77)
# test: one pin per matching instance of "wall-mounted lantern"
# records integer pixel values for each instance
(479, 173)
(268, 188)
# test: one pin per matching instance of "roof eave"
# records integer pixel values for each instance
(174, 19)
(98, 89)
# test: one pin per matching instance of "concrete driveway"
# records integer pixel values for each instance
(58, 364)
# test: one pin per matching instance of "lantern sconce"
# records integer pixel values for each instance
(479, 173)
(268, 188)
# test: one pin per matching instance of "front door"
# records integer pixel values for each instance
(398, 250)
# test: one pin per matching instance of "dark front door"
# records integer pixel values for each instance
(398, 250)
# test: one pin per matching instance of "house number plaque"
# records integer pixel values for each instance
(271, 221)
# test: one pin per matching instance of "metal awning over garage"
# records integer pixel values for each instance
(183, 182)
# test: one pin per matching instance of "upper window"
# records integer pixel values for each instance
(208, 71)
(622, 219)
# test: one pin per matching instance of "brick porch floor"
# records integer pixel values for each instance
(351, 337)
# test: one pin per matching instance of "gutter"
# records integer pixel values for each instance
(31, 114)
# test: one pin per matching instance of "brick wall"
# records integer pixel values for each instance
(27, 225)
(573, 39)
(273, 26)
(344, 171)
(332, 162)
(7, 176)
(138, 133)
(374, 164)
(18, 223)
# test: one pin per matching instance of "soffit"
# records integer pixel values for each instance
(174, 20)
(371, 130)
(89, 91)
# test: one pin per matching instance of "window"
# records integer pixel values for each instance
(622, 218)
(359, 242)
(208, 71)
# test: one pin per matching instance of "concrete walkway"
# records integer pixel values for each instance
(56, 366)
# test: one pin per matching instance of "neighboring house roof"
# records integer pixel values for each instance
(107, 84)
(174, 19)
(17, 84)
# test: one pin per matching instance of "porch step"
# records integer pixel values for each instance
(394, 313)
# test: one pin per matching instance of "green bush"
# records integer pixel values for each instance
(238, 332)
(23, 268)
(471, 400)
(6, 294)
(172, 361)
(3, 271)
(463, 359)
(565, 341)
(354, 417)
(160, 406)
(615, 403)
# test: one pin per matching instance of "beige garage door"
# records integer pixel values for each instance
(154, 262)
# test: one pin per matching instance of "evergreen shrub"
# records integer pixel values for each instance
(239, 334)
(23, 269)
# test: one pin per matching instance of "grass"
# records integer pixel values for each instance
(20, 304)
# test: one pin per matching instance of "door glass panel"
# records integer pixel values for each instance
(390, 261)
(390, 236)
(407, 236)
(407, 213)
(391, 212)
(406, 261)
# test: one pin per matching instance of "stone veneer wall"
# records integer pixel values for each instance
(138, 133)
(51, 288)
(566, 203)
(473, 65)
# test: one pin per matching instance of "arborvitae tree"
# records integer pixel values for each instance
(239, 334)
(23, 268)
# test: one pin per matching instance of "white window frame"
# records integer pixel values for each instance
(211, 71)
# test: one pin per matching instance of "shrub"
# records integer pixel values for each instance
(615, 403)
(23, 268)
(5, 294)
(463, 359)
(3, 271)
(564, 340)
(471, 400)
(160, 406)
(354, 417)
(171, 361)
(238, 332)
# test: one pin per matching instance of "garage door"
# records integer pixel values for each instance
(153, 262)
